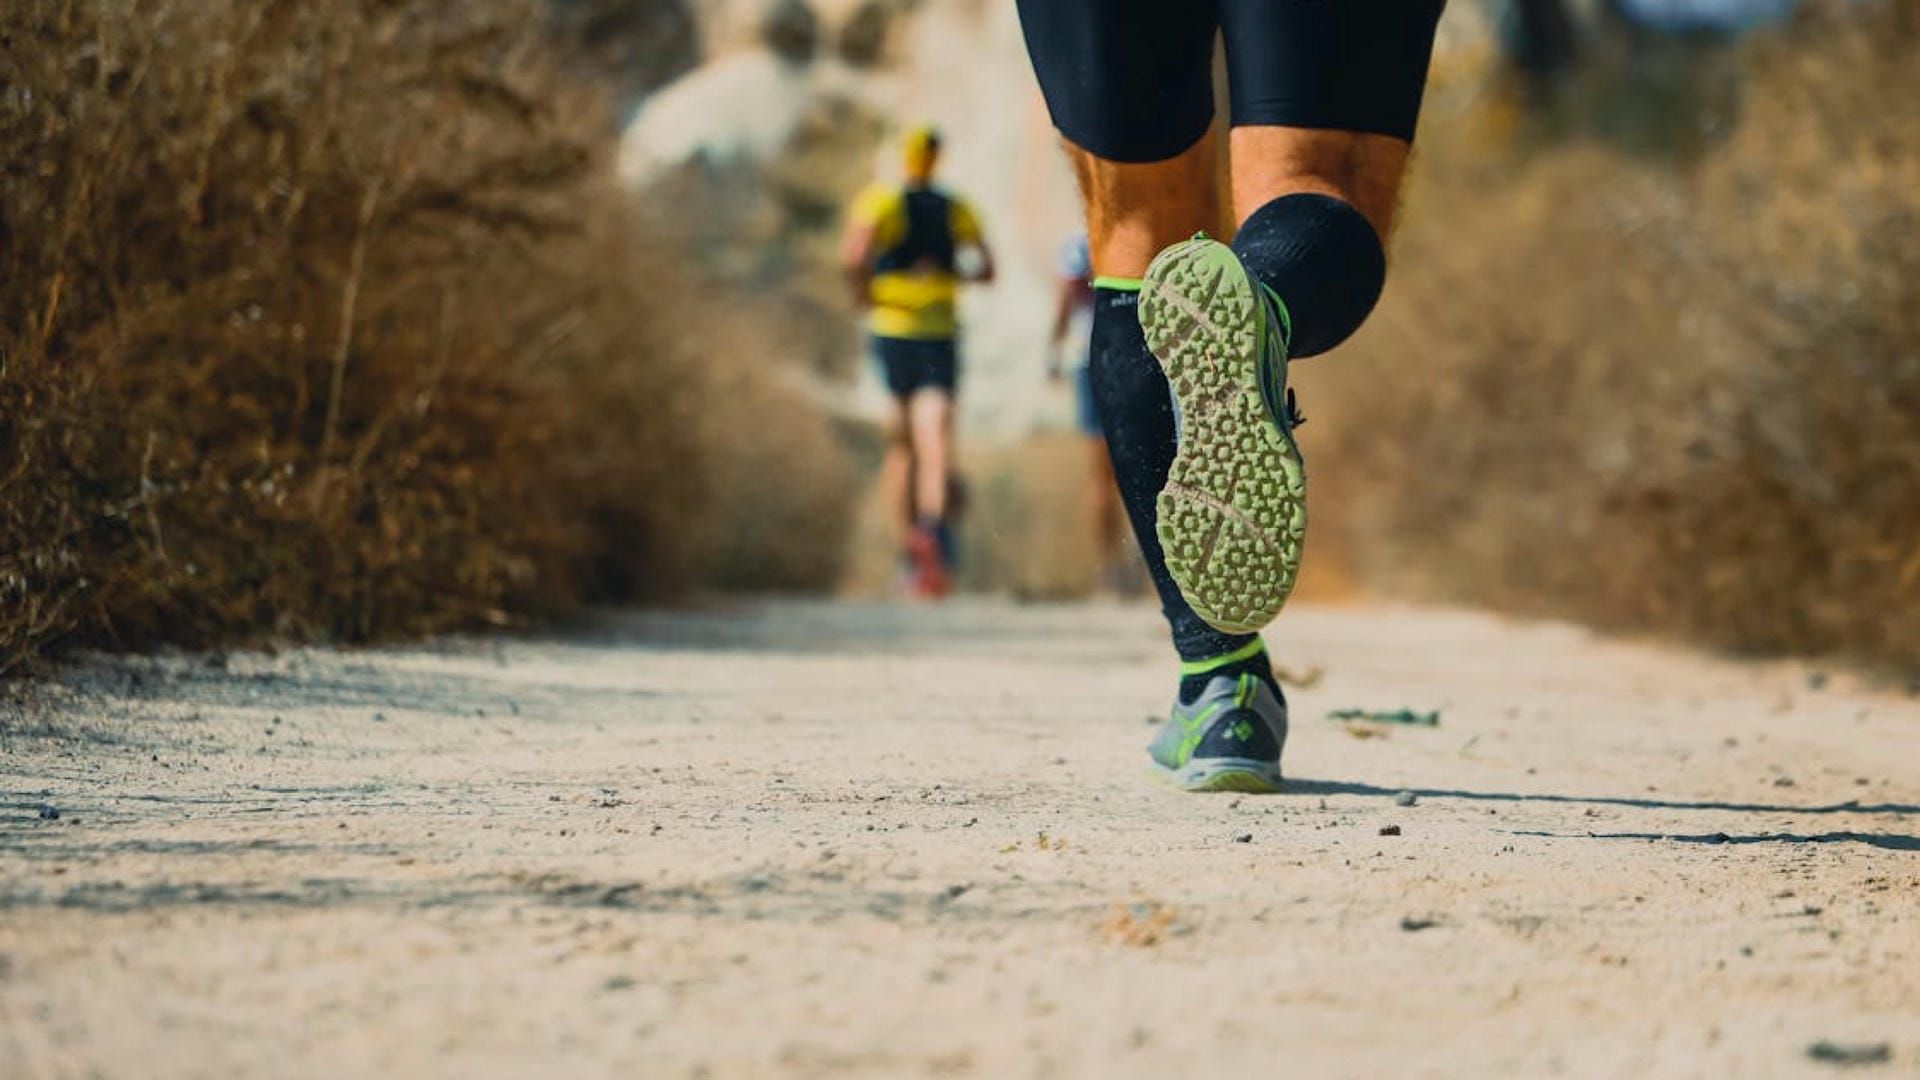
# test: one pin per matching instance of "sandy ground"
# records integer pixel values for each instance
(829, 840)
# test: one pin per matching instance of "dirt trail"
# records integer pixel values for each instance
(813, 839)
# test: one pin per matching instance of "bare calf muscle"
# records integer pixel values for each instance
(1360, 168)
(1136, 209)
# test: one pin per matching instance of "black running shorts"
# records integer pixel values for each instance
(911, 364)
(1131, 80)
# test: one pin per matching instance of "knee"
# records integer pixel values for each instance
(898, 431)
(927, 413)
(1325, 260)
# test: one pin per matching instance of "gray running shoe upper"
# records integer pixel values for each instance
(1236, 717)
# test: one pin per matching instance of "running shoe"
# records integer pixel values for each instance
(930, 578)
(1233, 512)
(1228, 738)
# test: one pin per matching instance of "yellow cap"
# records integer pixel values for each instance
(918, 148)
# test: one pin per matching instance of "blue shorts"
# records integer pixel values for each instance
(908, 365)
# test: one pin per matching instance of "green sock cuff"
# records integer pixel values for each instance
(1120, 284)
(1201, 667)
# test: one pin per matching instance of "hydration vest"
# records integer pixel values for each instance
(928, 241)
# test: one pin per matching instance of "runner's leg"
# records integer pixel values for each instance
(929, 414)
(1129, 85)
(1325, 98)
(1134, 209)
(896, 461)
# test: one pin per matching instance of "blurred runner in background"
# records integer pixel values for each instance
(1192, 337)
(1068, 346)
(907, 249)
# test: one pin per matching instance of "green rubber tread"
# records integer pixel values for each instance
(1232, 778)
(1243, 781)
(1232, 517)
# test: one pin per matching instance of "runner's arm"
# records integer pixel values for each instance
(967, 233)
(983, 273)
(1066, 297)
(856, 261)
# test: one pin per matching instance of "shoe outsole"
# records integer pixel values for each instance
(1247, 777)
(1233, 513)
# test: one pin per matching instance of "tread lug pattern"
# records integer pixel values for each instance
(1232, 517)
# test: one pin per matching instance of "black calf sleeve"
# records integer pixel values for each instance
(1136, 414)
(1324, 260)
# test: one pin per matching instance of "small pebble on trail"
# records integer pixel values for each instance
(1405, 798)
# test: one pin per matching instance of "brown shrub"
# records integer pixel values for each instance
(1026, 528)
(321, 320)
(1683, 397)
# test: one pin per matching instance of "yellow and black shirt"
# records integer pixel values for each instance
(916, 231)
